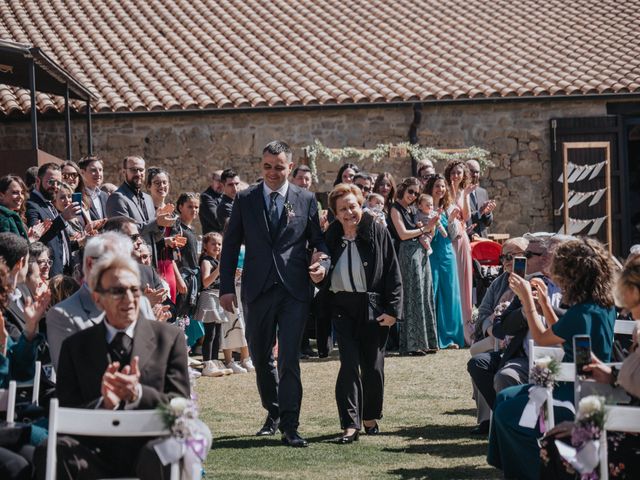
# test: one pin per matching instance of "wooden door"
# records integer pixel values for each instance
(588, 183)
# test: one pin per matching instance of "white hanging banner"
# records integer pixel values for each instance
(577, 173)
(597, 224)
(579, 198)
(597, 196)
(596, 169)
(576, 226)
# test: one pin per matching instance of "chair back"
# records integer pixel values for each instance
(8, 401)
(101, 423)
(624, 327)
(34, 383)
(617, 419)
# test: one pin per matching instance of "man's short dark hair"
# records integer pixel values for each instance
(300, 168)
(277, 147)
(362, 175)
(12, 248)
(227, 174)
(30, 176)
(86, 161)
(115, 224)
(45, 167)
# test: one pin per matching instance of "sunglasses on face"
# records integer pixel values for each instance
(412, 192)
(70, 175)
(118, 293)
(364, 188)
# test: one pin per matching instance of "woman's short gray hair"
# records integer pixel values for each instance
(108, 262)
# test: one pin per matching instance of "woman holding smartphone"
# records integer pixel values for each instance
(584, 271)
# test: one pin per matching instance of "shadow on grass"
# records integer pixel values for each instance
(460, 472)
(443, 450)
(246, 442)
(462, 411)
(436, 432)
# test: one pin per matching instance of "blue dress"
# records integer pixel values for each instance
(444, 272)
(513, 448)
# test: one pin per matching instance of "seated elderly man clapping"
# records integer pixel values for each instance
(125, 361)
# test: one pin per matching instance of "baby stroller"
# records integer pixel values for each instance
(486, 266)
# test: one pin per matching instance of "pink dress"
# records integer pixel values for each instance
(462, 250)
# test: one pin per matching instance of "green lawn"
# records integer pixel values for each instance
(428, 415)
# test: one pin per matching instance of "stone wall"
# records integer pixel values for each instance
(190, 146)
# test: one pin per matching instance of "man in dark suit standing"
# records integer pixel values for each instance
(130, 201)
(276, 221)
(209, 201)
(40, 208)
(230, 183)
(479, 204)
(125, 362)
(92, 174)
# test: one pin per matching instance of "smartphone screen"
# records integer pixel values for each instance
(582, 353)
(76, 197)
(520, 266)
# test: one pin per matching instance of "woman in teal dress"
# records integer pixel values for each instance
(444, 269)
(584, 271)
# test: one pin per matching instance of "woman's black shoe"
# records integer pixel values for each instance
(375, 430)
(343, 440)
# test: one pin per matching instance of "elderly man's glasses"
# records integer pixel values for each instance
(118, 293)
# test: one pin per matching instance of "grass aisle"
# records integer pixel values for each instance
(428, 415)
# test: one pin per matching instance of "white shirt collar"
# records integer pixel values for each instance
(282, 190)
(111, 330)
(15, 295)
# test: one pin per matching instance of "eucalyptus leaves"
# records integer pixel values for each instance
(317, 150)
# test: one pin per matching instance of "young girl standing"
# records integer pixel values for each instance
(209, 312)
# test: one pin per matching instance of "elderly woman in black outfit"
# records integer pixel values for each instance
(365, 293)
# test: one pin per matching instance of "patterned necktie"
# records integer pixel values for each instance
(120, 348)
(273, 212)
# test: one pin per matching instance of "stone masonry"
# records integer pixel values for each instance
(190, 146)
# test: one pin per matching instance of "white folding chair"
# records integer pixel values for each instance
(617, 419)
(35, 383)
(624, 327)
(8, 401)
(567, 373)
(102, 423)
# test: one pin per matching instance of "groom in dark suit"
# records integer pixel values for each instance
(277, 221)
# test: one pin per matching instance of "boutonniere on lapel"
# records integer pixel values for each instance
(291, 213)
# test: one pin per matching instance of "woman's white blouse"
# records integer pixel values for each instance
(348, 274)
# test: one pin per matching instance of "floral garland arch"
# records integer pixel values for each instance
(318, 150)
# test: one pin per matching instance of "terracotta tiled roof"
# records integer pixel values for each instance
(147, 55)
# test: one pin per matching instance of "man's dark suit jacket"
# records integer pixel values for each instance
(513, 322)
(483, 222)
(38, 211)
(163, 365)
(286, 252)
(209, 201)
(93, 213)
(223, 212)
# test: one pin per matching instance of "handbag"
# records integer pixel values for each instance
(374, 306)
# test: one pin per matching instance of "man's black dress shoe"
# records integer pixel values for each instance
(375, 430)
(292, 439)
(481, 429)
(269, 428)
(345, 439)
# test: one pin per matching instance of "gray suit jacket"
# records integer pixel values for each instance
(68, 317)
(122, 202)
(77, 313)
(482, 221)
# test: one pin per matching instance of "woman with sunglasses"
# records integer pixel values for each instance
(444, 268)
(418, 334)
